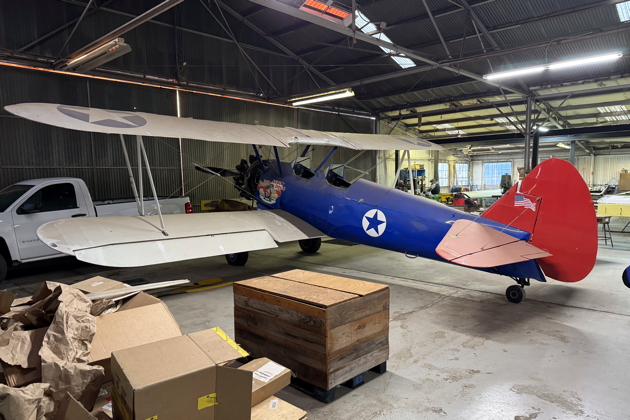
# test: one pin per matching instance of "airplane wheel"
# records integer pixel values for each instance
(3, 268)
(239, 259)
(515, 294)
(311, 246)
(625, 280)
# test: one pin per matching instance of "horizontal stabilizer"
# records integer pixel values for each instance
(475, 245)
(138, 240)
(144, 124)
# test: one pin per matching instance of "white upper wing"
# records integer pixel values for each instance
(143, 124)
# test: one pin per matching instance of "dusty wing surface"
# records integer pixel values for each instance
(143, 124)
(475, 245)
(138, 241)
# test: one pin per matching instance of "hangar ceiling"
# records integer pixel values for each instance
(429, 81)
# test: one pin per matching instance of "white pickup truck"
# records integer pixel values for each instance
(27, 205)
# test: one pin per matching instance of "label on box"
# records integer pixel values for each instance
(269, 371)
(207, 401)
(273, 404)
(152, 418)
(97, 283)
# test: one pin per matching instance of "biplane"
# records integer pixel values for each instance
(544, 226)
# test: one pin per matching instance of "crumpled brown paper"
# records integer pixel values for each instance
(20, 349)
(28, 403)
(66, 349)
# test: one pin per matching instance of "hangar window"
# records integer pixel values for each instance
(492, 173)
(443, 172)
(335, 176)
(302, 168)
(367, 27)
(623, 10)
(461, 174)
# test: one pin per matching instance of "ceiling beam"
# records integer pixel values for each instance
(292, 11)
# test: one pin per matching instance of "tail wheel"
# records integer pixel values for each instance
(239, 259)
(515, 294)
(311, 246)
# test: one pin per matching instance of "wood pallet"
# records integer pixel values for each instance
(329, 395)
(326, 329)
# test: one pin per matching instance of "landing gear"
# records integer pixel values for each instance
(311, 246)
(239, 259)
(516, 294)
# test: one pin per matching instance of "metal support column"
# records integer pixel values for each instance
(572, 153)
(436, 165)
(528, 135)
(535, 146)
(409, 172)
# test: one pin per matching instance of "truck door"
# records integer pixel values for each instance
(51, 202)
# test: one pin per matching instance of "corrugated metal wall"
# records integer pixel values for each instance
(31, 150)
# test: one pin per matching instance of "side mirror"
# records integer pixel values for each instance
(28, 208)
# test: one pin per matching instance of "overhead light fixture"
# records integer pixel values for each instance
(98, 56)
(512, 73)
(564, 146)
(555, 66)
(587, 60)
(542, 129)
(329, 10)
(338, 94)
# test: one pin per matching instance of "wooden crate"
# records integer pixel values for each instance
(326, 329)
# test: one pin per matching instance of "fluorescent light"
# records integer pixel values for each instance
(587, 60)
(511, 73)
(543, 129)
(555, 66)
(321, 98)
(98, 56)
(564, 146)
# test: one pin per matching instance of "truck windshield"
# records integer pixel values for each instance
(12, 193)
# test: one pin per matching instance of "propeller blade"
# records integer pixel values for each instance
(215, 171)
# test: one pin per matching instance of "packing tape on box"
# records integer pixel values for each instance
(231, 342)
(206, 401)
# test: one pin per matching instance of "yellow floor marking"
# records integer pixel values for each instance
(200, 289)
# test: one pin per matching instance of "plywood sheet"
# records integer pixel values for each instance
(342, 284)
(314, 295)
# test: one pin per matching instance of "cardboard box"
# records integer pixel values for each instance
(273, 408)
(17, 376)
(141, 320)
(103, 404)
(177, 379)
(71, 409)
(269, 377)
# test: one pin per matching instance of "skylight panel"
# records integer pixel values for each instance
(623, 10)
(621, 110)
(446, 128)
(367, 27)
(506, 122)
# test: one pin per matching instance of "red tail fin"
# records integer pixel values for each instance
(554, 204)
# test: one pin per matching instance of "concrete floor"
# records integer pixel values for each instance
(459, 350)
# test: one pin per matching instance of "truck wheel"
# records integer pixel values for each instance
(239, 259)
(311, 246)
(3, 268)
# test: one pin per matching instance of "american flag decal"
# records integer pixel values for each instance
(521, 201)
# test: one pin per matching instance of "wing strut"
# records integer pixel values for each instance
(155, 197)
(132, 180)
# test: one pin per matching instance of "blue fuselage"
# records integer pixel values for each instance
(375, 215)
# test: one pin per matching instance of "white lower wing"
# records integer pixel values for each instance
(138, 241)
